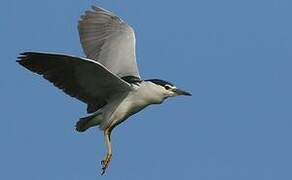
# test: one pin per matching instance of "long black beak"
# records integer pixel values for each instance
(180, 92)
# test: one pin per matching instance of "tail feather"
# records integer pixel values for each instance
(86, 122)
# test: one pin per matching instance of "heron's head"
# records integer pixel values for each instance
(168, 89)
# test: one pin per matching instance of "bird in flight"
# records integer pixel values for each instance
(107, 80)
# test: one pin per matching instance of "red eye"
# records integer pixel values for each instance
(167, 87)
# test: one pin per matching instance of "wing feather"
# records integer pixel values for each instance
(84, 79)
(109, 40)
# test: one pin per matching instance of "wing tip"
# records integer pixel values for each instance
(24, 55)
(19, 61)
(97, 8)
(21, 57)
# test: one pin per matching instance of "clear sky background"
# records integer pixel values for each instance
(234, 56)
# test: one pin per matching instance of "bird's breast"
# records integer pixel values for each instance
(129, 106)
(135, 103)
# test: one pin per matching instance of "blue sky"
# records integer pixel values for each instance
(234, 56)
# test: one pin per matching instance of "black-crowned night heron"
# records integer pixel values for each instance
(107, 80)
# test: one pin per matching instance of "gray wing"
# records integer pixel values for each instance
(84, 79)
(110, 41)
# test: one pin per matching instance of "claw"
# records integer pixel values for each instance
(105, 163)
(102, 172)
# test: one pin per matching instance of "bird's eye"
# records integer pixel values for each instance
(167, 87)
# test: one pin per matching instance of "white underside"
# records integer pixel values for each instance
(125, 105)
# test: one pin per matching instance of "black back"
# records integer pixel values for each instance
(131, 79)
(160, 82)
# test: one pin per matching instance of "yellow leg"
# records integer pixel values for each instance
(105, 162)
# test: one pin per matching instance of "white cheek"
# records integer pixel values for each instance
(168, 93)
(172, 94)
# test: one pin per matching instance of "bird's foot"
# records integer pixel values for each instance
(105, 163)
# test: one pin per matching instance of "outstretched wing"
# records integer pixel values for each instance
(110, 41)
(84, 79)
